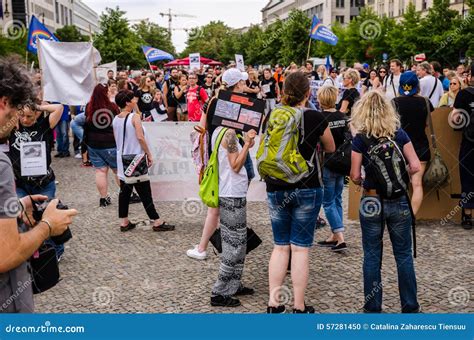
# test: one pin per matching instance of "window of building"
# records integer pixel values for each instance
(56, 6)
(70, 17)
(62, 14)
(340, 19)
(339, 3)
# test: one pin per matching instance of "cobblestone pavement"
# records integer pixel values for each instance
(106, 271)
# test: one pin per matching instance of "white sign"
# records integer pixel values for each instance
(239, 61)
(173, 175)
(33, 159)
(194, 61)
(102, 71)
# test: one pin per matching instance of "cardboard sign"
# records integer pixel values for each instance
(33, 159)
(238, 111)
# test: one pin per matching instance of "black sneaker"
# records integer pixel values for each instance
(466, 222)
(224, 301)
(103, 203)
(164, 227)
(135, 198)
(108, 200)
(128, 227)
(59, 155)
(276, 310)
(244, 291)
(307, 310)
(327, 243)
(340, 247)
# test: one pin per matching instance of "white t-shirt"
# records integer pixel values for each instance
(390, 85)
(427, 84)
(231, 184)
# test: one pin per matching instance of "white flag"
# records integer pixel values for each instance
(68, 71)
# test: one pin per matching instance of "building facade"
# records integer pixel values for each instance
(396, 8)
(53, 13)
(328, 11)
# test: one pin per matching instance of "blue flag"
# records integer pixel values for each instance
(37, 31)
(328, 62)
(321, 32)
(154, 54)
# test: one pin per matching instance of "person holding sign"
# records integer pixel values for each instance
(30, 149)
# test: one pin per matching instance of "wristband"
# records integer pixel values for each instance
(49, 226)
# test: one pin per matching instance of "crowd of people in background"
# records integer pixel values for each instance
(354, 105)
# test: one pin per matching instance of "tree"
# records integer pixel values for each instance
(295, 37)
(116, 41)
(154, 35)
(207, 40)
(70, 33)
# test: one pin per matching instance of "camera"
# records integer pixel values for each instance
(38, 210)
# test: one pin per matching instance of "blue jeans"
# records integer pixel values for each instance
(293, 214)
(397, 216)
(62, 136)
(332, 199)
(48, 190)
(77, 126)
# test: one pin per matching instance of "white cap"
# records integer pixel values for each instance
(232, 76)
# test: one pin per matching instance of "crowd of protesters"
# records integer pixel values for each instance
(335, 106)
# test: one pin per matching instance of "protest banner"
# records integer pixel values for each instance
(68, 71)
(103, 69)
(173, 174)
(194, 61)
(239, 62)
(238, 111)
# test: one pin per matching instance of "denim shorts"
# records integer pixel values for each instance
(101, 158)
(293, 214)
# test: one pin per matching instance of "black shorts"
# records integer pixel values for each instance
(423, 152)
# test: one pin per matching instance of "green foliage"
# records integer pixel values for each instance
(70, 33)
(208, 40)
(295, 38)
(154, 35)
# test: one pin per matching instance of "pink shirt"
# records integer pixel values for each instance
(195, 105)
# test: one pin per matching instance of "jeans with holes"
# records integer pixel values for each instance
(332, 199)
(397, 217)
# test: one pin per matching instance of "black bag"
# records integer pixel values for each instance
(253, 241)
(340, 160)
(44, 269)
(469, 128)
(135, 166)
(387, 167)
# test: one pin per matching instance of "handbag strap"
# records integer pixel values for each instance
(124, 129)
(434, 87)
(218, 141)
(430, 124)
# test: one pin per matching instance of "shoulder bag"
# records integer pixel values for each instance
(135, 166)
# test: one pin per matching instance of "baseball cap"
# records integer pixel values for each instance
(232, 76)
(408, 84)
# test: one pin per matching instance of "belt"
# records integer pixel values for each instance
(370, 192)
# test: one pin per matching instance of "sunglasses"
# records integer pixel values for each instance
(382, 71)
(454, 84)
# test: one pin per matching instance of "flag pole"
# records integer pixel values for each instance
(309, 48)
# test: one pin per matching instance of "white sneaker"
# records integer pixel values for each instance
(78, 156)
(196, 254)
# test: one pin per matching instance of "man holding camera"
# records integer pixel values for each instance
(17, 247)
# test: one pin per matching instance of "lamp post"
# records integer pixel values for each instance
(6, 13)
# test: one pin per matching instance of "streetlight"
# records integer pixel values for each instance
(6, 13)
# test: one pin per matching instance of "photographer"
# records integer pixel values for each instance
(16, 248)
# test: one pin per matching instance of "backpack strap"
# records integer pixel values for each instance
(434, 87)
(124, 130)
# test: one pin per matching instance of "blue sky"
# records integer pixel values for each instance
(234, 13)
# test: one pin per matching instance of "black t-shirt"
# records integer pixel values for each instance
(313, 75)
(314, 125)
(367, 83)
(201, 79)
(252, 85)
(351, 95)
(465, 101)
(337, 123)
(145, 100)
(171, 84)
(182, 99)
(413, 113)
(210, 89)
(38, 132)
(272, 83)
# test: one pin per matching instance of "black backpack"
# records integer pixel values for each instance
(340, 160)
(387, 167)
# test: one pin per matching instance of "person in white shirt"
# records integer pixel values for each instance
(392, 81)
(430, 87)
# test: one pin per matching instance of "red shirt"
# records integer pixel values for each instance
(195, 105)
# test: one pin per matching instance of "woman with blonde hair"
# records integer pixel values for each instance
(322, 72)
(455, 85)
(377, 127)
(350, 80)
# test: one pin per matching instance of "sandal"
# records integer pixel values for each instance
(163, 227)
(86, 164)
